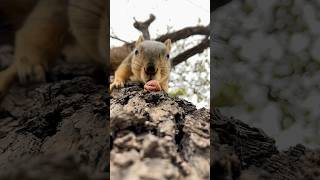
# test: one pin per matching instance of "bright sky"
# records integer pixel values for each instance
(175, 13)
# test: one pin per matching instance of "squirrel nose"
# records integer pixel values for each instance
(150, 69)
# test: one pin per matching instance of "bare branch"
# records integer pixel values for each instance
(116, 37)
(144, 26)
(204, 44)
(185, 33)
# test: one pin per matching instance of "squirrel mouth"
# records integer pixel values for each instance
(150, 77)
(150, 73)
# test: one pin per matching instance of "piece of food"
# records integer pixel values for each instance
(152, 85)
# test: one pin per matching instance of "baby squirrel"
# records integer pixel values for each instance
(46, 29)
(148, 62)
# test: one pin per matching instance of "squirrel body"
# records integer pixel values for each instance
(148, 61)
(45, 29)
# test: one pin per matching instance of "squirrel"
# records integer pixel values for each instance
(45, 29)
(149, 63)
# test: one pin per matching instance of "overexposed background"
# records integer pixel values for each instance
(170, 15)
(272, 85)
(175, 13)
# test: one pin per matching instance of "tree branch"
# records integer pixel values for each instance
(191, 52)
(144, 26)
(116, 37)
(185, 33)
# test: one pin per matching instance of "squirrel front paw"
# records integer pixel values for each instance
(29, 71)
(116, 84)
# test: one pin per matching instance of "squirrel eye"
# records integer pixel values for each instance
(136, 52)
(167, 56)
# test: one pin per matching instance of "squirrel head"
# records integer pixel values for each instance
(151, 60)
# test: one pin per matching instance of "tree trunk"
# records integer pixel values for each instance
(242, 152)
(155, 136)
(56, 130)
(59, 130)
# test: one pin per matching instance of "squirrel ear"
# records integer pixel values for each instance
(168, 44)
(140, 40)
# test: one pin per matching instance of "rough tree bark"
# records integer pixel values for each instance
(58, 130)
(155, 136)
(239, 151)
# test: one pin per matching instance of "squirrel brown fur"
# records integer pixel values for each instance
(148, 61)
(47, 28)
